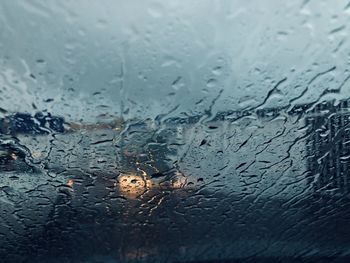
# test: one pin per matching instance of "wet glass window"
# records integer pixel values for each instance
(174, 131)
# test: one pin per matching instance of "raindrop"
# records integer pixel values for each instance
(211, 83)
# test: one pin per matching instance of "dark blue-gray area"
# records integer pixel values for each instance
(40, 123)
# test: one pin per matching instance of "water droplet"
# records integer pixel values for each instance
(211, 83)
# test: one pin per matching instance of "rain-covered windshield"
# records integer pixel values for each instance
(174, 131)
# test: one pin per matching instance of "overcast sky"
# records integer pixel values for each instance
(154, 57)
